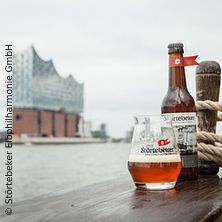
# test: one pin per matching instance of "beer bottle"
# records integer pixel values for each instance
(179, 102)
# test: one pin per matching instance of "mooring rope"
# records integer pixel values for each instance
(208, 104)
(219, 117)
(208, 151)
(203, 135)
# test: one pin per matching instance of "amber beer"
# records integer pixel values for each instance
(156, 170)
(180, 103)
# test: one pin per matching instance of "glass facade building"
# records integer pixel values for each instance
(37, 85)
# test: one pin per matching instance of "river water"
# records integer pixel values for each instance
(41, 169)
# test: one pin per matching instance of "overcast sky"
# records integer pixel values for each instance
(117, 48)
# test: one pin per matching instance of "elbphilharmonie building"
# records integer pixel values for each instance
(45, 104)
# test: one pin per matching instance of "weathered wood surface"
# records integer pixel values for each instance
(207, 88)
(118, 200)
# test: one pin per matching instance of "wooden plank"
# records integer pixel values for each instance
(118, 200)
(207, 88)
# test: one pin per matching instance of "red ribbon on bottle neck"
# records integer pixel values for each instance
(176, 60)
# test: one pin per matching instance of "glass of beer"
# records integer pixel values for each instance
(154, 161)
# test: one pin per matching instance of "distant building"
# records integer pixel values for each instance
(101, 133)
(45, 104)
(85, 128)
(129, 135)
(3, 136)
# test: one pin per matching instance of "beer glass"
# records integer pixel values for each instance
(154, 161)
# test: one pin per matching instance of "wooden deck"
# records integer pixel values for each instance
(118, 200)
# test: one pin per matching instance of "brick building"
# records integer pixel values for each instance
(45, 104)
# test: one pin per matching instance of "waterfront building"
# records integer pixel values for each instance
(85, 128)
(45, 104)
(101, 132)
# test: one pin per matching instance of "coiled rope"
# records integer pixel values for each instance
(206, 151)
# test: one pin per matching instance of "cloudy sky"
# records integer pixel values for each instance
(117, 48)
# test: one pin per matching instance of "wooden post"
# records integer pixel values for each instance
(207, 88)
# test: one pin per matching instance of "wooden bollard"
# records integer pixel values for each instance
(207, 88)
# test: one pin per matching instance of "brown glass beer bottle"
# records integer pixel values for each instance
(179, 102)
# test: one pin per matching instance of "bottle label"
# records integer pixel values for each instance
(185, 129)
(189, 161)
(177, 60)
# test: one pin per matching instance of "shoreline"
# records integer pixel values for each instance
(56, 140)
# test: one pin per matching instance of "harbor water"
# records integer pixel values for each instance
(42, 169)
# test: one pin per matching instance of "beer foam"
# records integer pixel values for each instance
(154, 159)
